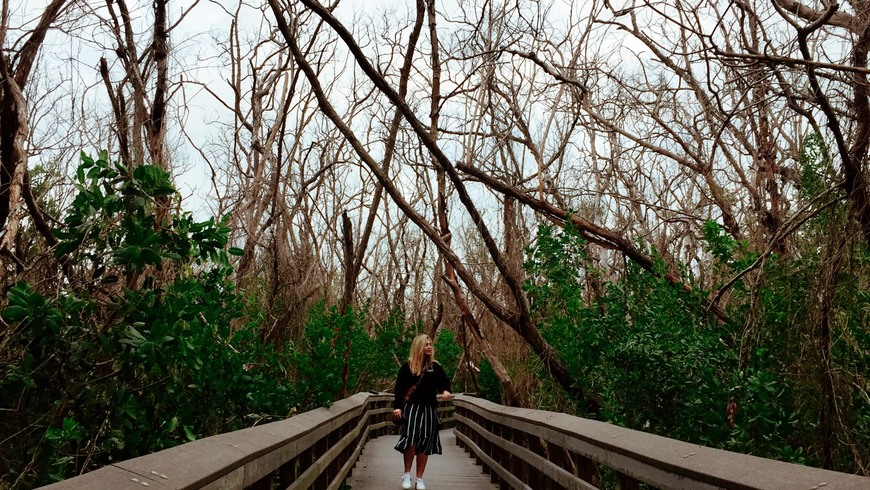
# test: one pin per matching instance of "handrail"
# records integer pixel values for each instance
(315, 449)
(519, 448)
(535, 449)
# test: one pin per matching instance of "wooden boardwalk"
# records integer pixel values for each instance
(380, 467)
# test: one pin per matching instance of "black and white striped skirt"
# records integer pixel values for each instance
(420, 430)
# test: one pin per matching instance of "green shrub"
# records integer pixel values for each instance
(139, 350)
(656, 361)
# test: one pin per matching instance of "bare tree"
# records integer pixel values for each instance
(16, 65)
(518, 319)
(264, 172)
(140, 98)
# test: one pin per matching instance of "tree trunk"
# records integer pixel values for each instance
(14, 126)
(488, 352)
(829, 278)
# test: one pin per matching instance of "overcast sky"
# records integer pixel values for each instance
(70, 61)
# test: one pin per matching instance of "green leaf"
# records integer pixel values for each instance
(189, 434)
(134, 334)
(15, 314)
(87, 161)
(150, 257)
(53, 434)
(93, 173)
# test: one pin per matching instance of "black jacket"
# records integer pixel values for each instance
(434, 383)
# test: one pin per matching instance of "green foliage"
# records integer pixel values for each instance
(644, 348)
(113, 221)
(488, 382)
(558, 261)
(766, 402)
(729, 254)
(69, 433)
(448, 352)
(148, 352)
(372, 358)
(656, 362)
(815, 167)
(319, 358)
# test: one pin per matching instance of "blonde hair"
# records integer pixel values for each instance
(416, 357)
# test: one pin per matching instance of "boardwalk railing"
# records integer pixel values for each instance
(315, 449)
(519, 448)
(534, 449)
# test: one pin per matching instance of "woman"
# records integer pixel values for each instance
(424, 379)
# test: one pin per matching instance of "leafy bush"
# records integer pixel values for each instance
(488, 382)
(448, 352)
(139, 349)
(657, 362)
(644, 348)
(373, 360)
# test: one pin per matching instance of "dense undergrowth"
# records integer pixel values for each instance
(142, 342)
(656, 361)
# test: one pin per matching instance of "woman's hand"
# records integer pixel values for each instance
(446, 396)
(397, 414)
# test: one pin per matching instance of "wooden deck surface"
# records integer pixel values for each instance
(380, 467)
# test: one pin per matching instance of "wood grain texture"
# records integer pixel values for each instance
(380, 467)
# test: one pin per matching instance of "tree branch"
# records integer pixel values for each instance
(589, 230)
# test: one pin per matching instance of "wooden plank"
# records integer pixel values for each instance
(307, 479)
(111, 477)
(553, 471)
(492, 464)
(380, 467)
(662, 462)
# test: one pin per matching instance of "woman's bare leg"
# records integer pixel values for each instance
(422, 459)
(409, 458)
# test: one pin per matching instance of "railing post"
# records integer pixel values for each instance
(304, 461)
(387, 417)
(520, 467)
(560, 457)
(499, 454)
(480, 441)
(321, 447)
(382, 417)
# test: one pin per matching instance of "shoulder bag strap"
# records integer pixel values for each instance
(411, 391)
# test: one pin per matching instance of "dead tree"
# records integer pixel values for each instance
(517, 317)
(15, 71)
(139, 98)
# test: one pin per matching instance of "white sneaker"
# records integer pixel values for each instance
(406, 482)
(420, 485)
